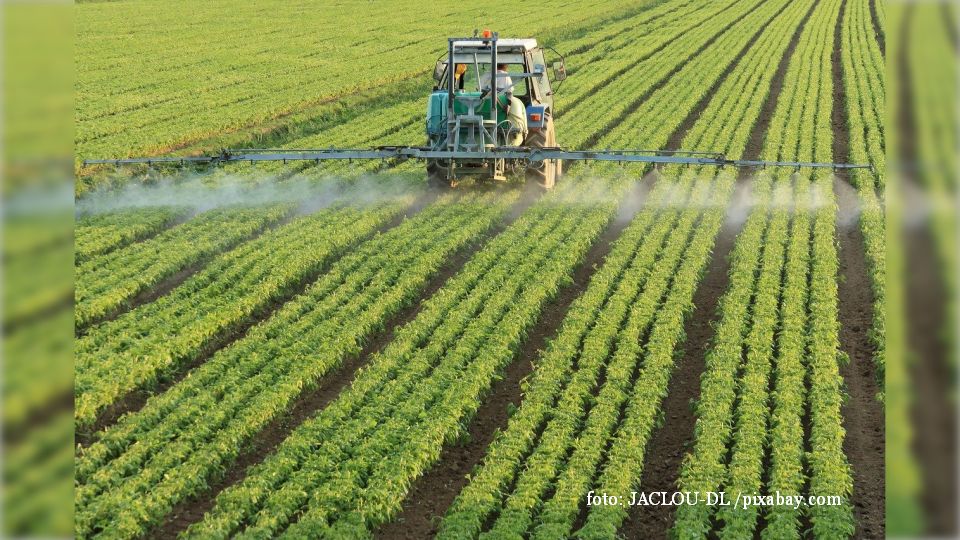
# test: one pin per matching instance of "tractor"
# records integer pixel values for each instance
(471, 111)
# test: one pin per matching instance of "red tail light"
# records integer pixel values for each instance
(535, 117)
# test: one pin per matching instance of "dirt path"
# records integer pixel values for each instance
(863, 415)
(881, 37)
(934, 416)
(432, 494)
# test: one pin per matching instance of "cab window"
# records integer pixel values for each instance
(521, 89)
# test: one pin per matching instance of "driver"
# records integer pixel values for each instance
(504, 82)
(511, 107)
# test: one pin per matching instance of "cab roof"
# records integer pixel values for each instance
(518, 44)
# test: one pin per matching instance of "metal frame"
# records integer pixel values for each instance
(532, 156)
(471, 133)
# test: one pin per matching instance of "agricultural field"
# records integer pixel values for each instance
(309, 350)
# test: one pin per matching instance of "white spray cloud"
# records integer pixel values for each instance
(308, 193)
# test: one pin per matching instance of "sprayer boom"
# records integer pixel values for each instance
(532, 157)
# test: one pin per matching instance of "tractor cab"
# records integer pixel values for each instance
(495, 93)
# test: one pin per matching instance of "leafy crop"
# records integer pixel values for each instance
(106, 284)
(234, 395)
(863, 78)
(232, 289)
(393, 421)
(100, 233)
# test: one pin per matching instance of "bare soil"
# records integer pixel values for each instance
(933, 378)
(881, 37)
(863, 415)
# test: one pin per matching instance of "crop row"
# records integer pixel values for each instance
(726, 121)
(863, 78)
(624, 459)
(401, 121)
(482, 496)
(230, 398)
(112, 97)
(789, 375)
(100, 233)
(105, 284)
(745, 465)
(671, 64)
(766, 303)
(830, 472)
(36, 283)
(130, 353)
(607, 443)
(382, 432)
(704, 470)
(719, 125)
(750, 438)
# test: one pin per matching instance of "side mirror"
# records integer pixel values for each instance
(559, 71)
(438, 71)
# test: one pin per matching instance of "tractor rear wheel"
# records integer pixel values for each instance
(546, 174)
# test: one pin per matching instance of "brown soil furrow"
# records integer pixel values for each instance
(881, 37)
(949, 19)
(308, 404)
(432, 494)
(136, 399)
(863, 416)
(933, 376)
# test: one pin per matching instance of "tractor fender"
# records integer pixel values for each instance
(537, 117)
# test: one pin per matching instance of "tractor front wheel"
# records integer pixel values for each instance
(546, 174)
